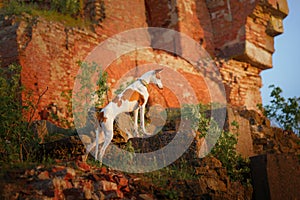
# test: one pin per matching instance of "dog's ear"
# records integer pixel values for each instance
(158, 70)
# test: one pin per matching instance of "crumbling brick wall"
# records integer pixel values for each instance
(240, 32)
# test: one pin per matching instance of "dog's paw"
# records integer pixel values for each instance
(146, 134)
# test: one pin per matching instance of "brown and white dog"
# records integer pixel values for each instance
(132, 99)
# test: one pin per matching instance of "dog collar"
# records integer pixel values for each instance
(143, 82)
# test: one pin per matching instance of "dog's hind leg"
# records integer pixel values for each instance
(97, 142)
(107, 129)
(99, 139)
(107, 140)
(88, 149)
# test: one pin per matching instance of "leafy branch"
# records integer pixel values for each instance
(286, 112)
(17, 140)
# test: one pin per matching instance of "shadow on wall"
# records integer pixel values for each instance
(163, 14)
(8, 43)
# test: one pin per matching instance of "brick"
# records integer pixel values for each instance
(280, 7)
(275, 26)
(108, 186)
(44, 175)
(258, 56)
(239, 30)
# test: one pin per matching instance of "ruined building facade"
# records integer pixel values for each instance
(241, 32)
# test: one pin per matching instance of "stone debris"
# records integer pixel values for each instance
(72, 180)
(67, 180)
(145, 197)
(83, 166)
(43, 175)
(108, 186)
(75, 179)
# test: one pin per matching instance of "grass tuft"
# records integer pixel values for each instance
(19, 9)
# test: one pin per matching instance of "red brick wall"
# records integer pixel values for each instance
(49, 58)
(240, 31)
(228, 19)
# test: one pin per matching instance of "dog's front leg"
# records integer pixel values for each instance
(136, 113)
(142, 118)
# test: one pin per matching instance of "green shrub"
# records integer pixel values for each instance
(15, 7)
(68, 7)
(225, 150)
(88, 69)
(286, 112)
(84, 95)
(81, 100)
(17, 141)
(69, 12)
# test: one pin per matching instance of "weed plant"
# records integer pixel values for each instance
(65, 11)
(17, 140)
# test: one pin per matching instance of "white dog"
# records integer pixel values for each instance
(132, 99)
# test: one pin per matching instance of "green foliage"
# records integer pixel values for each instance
(87, 92)
(17, 141)
(191, 114)
(180, 170)
(15, 7)
(128, 155)
(225, 148)
(225, 151)
(68, 12)
(286, 112)
(235, 124)
(66, 7)
(170, 194)
(87, 72)
(102, 88)
(69, 7)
